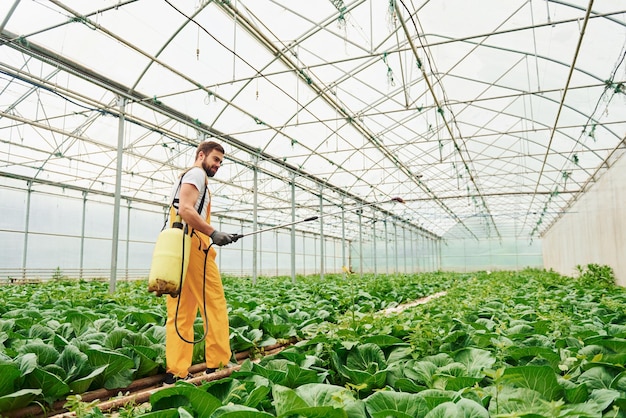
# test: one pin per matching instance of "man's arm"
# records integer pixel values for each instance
(186, 208)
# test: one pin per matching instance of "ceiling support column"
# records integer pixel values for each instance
(322, 243)
(82, 236)
(413, 258)
(359, 212)
(255, 197)
(344, 264)
(404, 247)
(395, 246)
(293, 228)
(374, 253)
(126, 266)
(26, 223)
(386, 248)
(118, 191)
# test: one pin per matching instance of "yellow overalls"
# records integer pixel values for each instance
(179, 353)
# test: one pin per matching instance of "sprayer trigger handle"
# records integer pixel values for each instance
(235, 237)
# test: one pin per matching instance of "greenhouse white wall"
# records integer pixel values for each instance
(48, 232)
(593, 230)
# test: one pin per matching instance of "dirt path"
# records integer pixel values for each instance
(421, 301)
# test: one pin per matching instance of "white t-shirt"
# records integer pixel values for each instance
(197, 177)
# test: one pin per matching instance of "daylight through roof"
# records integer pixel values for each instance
(487, 118)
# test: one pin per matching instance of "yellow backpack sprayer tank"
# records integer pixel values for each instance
(170, 260)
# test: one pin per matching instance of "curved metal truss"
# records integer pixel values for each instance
(488, 118)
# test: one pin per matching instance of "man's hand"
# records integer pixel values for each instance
(222, 238)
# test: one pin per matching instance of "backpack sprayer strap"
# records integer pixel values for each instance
(193, 231)
(176, 200)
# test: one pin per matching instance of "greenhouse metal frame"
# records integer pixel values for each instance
(492, 122)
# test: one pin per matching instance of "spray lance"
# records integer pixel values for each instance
(313, 218)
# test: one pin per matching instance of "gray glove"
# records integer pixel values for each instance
(221, 238)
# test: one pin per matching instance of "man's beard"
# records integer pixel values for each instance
(209, 171)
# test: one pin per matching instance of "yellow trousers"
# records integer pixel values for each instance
(179, 353)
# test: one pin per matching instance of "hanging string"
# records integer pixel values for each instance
(548, 11)
(234, 40)
(543, 212)
(390, 80)
(198, 46)
(298, 88)
(565, 175)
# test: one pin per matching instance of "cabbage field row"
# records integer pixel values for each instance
(500, 344)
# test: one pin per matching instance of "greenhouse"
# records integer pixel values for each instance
(377, 155)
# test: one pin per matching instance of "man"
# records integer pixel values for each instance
(194, 207)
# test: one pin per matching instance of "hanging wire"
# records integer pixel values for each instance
(543, 213)
(234, 41)
(532, 19)
(436, 101)
(562, 102)
(298, 89)
(548, 11)
(611, 88)
(198, 45)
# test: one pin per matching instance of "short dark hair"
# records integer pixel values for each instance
(207, 146)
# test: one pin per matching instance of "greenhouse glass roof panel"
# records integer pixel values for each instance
(467, 110)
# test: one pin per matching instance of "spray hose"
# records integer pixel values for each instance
(236, 237)
(206, 317)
